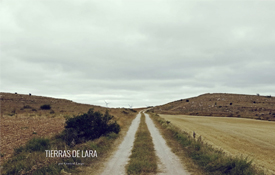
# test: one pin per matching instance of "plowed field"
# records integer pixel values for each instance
(236, 136)
(17, 131)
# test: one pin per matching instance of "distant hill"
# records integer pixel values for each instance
(223, 105)
(22, 118)
(22, 103)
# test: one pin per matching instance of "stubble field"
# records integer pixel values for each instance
(236, 136)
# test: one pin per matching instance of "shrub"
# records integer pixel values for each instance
(13, 111)
(18, 150)
(89, 126)
(45, 107)
(112, 135)
(133, 110)
(125, 112)
(37, 144)
(27, 107)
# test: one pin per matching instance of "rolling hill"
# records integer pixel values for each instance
(223, 105)
(22, 118)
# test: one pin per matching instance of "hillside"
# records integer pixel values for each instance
(12, 104)
(22, 118)
(223, 105)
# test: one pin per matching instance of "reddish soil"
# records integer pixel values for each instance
(223, 105)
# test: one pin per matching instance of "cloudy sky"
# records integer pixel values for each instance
(143, 52)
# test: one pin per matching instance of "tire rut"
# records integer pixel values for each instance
(116, 165)
(170, 163)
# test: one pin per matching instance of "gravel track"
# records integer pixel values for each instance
(116, 165)
(170, 163)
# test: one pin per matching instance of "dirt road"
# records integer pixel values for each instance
(170, 164)
(116, 165)
(236, 136)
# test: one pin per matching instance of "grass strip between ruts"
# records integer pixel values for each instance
(143, 159)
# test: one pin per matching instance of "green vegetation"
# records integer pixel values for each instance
(89, 126)
(31, 158)
(35, 144)
(210, 160)
(38, 144)
(143, 158)
(45, 107)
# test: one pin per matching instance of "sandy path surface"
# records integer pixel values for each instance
(170, 163)
(236, 136)
(116, 164)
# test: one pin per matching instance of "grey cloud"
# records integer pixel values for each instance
(136, 51)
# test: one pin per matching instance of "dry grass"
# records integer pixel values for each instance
(33, 161)
(235, 136)
(143, 159)
(30, 160)
(223, 105)
(209, 159)
(22, 119)
(177, 148)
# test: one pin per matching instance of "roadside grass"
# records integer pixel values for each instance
(208, 159)
(31, 158)
(143, 159)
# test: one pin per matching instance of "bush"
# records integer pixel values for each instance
(89, 126)
(27, 107)
(45, 107)
(37, 144)
(112, 135)
(133, 110)
(18, 150)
